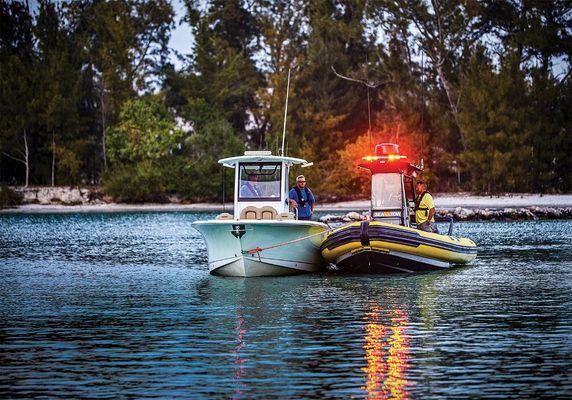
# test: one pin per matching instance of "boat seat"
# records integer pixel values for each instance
(224, 216)
(249, 212)
(285, 215)
(267, 212)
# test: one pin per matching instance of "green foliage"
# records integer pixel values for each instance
(480, 90)
(501, 125)
(551, 141)
(8, 197)
(199, 177)
(145, 139)
(139, 183)
(146, 131)
(222, 78)
(70, 166)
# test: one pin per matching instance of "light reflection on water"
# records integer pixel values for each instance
(386, 352)
(122, 305)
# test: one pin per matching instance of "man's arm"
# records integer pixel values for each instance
(431, 207)
(292, 195)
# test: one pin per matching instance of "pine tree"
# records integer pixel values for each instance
(58, 98)
(18, 85)
(125, 44)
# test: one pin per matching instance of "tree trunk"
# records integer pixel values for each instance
(53, 159)
(26, 158)
(102, 105)
(103, 132)
(454, 109)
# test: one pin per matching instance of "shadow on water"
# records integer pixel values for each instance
(123, 306)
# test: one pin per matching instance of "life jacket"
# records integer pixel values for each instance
(418, 201)
(301, 200)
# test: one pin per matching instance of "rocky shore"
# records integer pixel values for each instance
(61, 195)
(459, 206)
(464, 214)
(528, 213)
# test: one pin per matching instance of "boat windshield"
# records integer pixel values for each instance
(260, 181)
(386, 191)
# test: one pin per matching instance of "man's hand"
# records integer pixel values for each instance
(293, 203)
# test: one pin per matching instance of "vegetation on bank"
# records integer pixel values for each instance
(481, 91)
(9, 198)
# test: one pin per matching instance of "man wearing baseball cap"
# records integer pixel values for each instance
(302, 198)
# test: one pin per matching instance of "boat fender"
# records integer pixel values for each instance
(364, 233)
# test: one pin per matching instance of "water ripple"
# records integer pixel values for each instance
(121, 305)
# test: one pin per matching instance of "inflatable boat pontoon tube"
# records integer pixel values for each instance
(377, 247)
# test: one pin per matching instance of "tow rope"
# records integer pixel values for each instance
(258, 250)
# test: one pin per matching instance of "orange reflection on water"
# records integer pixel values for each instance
(386, 353)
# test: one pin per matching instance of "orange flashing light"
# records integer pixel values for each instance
(390, 157)
(394, 157)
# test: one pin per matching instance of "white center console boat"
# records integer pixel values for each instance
(262, 238)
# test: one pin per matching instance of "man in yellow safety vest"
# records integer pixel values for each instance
(424, 209)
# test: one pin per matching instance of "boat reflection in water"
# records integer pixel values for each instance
(386, 352)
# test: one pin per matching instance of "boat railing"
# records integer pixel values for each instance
(446, 218)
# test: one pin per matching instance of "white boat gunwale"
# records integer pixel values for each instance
(296, 222)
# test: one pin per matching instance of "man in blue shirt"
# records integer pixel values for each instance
(250, 188)
(302, 198)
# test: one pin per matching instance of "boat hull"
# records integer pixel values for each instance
(232, 244)
(374, 247)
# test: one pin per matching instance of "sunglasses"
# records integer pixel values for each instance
(301, 181)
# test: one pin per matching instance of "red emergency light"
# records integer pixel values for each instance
(385, 152)
(388, 160)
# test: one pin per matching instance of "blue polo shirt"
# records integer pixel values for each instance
(306, 211)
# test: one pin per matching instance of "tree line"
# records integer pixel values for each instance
(480, 90)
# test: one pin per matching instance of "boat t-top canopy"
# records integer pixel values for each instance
(259, 156)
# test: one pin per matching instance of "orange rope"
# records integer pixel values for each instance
(259, 249)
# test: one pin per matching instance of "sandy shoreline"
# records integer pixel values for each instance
(447, 201)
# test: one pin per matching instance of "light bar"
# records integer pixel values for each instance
(389, 157)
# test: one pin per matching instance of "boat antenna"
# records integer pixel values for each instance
(422, 104)
(369, 85)
(369, 118)
(285, 113)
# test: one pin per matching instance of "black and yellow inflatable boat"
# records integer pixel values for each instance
(388, 241)
(377, 247)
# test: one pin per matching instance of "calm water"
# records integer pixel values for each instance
(122, 305)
